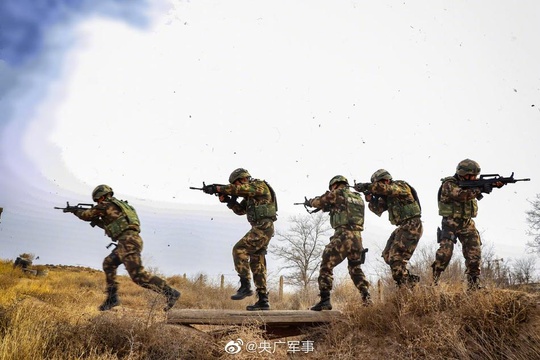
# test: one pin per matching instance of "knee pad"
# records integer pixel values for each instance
(355, 263)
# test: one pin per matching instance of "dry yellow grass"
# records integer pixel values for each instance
(56, 317)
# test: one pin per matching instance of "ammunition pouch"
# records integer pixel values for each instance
(352, 214)
(398, 210)
(456, 209)
(261, 211)
(128, 220)
(117, 227)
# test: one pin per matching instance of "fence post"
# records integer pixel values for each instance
(222, 286)
(280, 296)
(379, 290)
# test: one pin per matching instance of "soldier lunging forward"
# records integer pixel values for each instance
(122, 225)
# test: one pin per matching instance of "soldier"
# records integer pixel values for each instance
(121, 224)
(260, 206)
(458, 206)
(347, 219)
(1, 210)
(24, 261)
(401, 201)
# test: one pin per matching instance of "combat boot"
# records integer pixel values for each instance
(261, 304)
(473, 283)
(172, 297)
(111, 301)
(413, 280)
(324, 304)
(436, 277)
(366, 298)
(244, 290)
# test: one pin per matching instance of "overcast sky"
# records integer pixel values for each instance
(153, 98)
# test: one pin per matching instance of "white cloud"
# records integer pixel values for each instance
(297, 93)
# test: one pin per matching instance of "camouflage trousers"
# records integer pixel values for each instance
(128, 252)
(400, 247)
(249, 253)
(465, 231)
(345, 243)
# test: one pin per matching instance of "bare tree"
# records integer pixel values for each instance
(533, 218)
(523, 270)
(301, 248)
(496, 270)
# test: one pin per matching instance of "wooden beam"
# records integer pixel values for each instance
(240, 317)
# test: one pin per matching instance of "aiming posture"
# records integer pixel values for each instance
(458, 206)
(122, 225)
(347, 219)
(401, 201)
(249, 253)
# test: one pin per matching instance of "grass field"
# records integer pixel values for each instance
(56, 317)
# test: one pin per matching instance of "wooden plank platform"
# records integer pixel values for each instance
(240, 317)
(276, 323)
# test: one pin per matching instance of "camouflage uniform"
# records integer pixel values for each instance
(403, 206)
(347, 219)
(24, 261)
(458, 206)
(260, 206)
(121, 224)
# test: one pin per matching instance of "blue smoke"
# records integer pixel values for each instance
(23, 23)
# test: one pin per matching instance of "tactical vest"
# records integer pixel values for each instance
(351, 213)
(400, 209)
(256, 211)
(128, 219)
(457, 209)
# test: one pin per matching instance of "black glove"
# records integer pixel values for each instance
(209, 189)
(307, 202)
(225, 199)
(487, 188)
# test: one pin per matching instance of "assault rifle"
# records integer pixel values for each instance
(306, 204)
(71, 209)
(207, 189)
(486, 182)
(364, 189)
(79, 206)
(211, 190)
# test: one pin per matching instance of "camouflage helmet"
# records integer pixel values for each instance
(100, 191)
(338, 179)
(468, 167)
(381, 174)
(238, 174)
